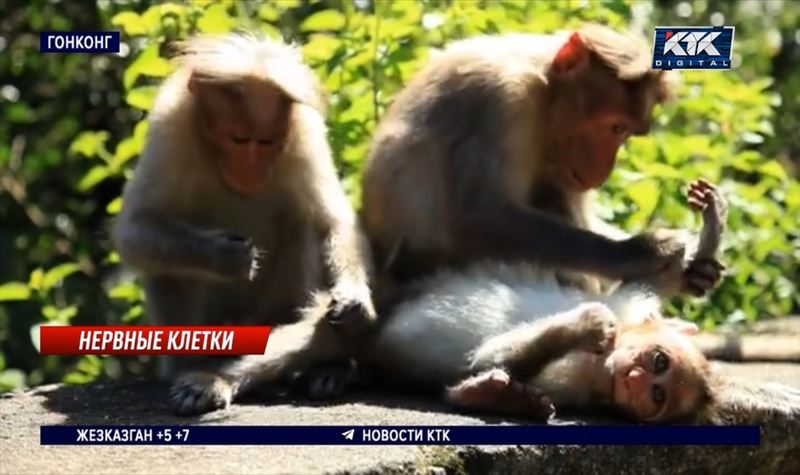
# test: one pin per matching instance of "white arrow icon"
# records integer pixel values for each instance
(348, 434)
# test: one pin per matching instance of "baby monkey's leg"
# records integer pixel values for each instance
(494, 390)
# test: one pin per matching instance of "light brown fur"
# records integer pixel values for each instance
(183, 228)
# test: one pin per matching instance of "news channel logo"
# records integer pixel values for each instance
(79, 42)
(684, 47)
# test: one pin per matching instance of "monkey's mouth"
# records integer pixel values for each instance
(577, 179)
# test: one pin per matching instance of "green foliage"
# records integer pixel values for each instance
(70, 139)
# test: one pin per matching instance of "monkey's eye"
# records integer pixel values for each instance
(660, 362)
(618, 129)
(659, 395)
(239, 140)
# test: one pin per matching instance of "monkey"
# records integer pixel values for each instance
(510, 339)
(235, 213)
(492, 152)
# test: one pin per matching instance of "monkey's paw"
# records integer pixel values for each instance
(495, 391)
(658, 261)
(705, 197)
(350, 310)
(198, 393)
(327, 381)
(236, 257)
(701, 276)
(597, 327)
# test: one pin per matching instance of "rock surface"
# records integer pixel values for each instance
(22, 414)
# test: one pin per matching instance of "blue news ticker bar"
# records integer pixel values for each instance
(400, 435)
(79, 42)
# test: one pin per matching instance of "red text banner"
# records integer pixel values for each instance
(153, 340)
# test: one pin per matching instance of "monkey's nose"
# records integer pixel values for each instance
(636, 381)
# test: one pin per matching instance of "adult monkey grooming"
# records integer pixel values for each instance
(237, 160)
(490, 152)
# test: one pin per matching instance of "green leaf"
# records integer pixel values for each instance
(321, 47)
(90, 364)
(126, 291)
(94, 176)
(130, 22)
(11, 380)
(268, 12)
(216, 20)
(148, 63)
(773, 168)
(270, 31)
(59, 273)
(19, 112)
(67, 313)
(89, 144)
(35, 279)
(142, 97)
(11, 291)
(645, 194)
(325, 20)
(87, 369)
(131, 146)
(133, 314)
(112, 258)
(126, 150)
(50, 312)
(660, 170)
(115, 206)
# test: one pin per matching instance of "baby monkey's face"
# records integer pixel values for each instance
(657, 373)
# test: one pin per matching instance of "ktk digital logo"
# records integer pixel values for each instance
(683, 47)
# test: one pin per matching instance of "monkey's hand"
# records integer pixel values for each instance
(596, 327)
(351, 310)
(701, 276)
(234, 257)
(661, 264)
(199, 392)
(704, 271)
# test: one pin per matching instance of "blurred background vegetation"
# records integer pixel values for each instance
(72, 125)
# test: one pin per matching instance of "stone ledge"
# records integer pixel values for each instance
(775, 339)
(21, 415)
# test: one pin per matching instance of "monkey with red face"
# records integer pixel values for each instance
(237, 160)
(491, 151)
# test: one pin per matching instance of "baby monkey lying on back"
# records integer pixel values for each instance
(511, 339)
